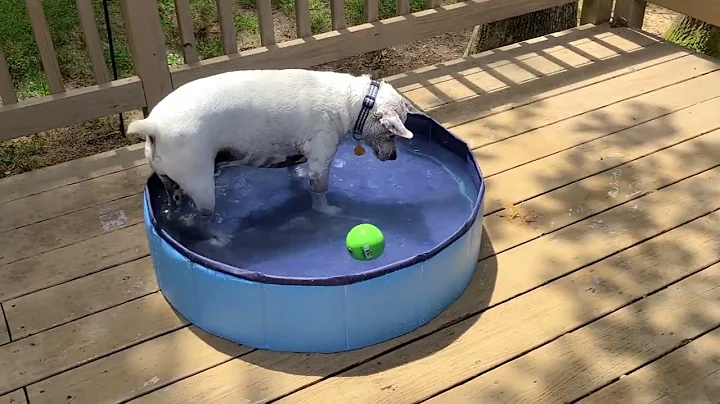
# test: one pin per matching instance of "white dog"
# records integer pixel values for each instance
(267, 118)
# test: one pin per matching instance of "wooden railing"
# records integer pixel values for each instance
(632, 12)
(155, 78)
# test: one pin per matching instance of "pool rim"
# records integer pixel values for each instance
(254, 276)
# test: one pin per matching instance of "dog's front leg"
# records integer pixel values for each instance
(320, 152)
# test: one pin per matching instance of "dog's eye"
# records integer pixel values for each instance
(392, 136)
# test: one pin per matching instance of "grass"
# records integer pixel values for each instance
(18, 42)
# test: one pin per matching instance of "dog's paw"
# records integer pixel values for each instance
(329, 210)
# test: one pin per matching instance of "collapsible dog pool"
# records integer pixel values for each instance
(285, 280)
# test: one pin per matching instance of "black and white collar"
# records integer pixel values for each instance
(367, 106)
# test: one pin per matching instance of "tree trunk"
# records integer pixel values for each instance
(521, 28)
(695, 34)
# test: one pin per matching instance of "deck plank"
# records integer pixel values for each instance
(61, 304)
(542, 215)
(139, 369)
(524, 147)
(191, 344)
(4, 334)
(16, 397)
(584, 360)
(690, 374)
(505, 125)
(263, 375)
(65, 230)
(42, 355)
(72, 261)
(555, 256)
(444, 71)
(438, 362)
(71, 172)
(518, 95)
(484, 78)
(72, 198)
(552, 172)
(599, 125)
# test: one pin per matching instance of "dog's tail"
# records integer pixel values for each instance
(145, 129)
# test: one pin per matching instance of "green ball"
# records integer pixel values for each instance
(365, 242)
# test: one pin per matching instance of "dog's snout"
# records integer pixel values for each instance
(393, 155)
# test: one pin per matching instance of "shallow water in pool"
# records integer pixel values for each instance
(417, 201)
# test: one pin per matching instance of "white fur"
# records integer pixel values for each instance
(264, 116)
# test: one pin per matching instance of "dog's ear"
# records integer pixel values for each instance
(391, 121)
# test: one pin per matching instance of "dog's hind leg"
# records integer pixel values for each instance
(320, 152)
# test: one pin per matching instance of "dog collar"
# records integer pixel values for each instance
(367, 106)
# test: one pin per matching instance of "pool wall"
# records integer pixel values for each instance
(329, 317)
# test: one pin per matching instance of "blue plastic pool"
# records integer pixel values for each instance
(428, 203)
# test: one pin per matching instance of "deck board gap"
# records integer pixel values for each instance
(580, 326)
(524, 132)
(517, 202)
(646, 363)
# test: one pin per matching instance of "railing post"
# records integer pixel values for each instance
(147, 46)
(596, 11)
(630, 13)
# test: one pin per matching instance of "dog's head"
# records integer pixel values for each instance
(386, 122)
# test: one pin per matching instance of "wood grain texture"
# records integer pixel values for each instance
(265, 19)
(72, 261)
(596, 11)
(187, 32)
(72, 228)
(584, 360)
(7, 90)
(70, 107)
(147, 45)
(48, 56)
(480, 343)
(73, 344)
(703, 10)
(86, 12)
(371, 10)
(599, 155)
(16, 397)
(363, 38)
(630, 13)
(337, 14)
(588, 126)
(81, 297)
(264, 375)
(70, 172)
(71, 198)
(228, 32)
(402, 7)
(444, 71)
(4, 334)
(138, 370)
(515, 96)
(690, 374)
(302, 18)
(542, 215)
(498, 72)
(498, 127)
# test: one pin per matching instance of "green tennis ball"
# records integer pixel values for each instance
(365, 242)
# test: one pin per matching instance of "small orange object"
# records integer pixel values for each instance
(359, 150)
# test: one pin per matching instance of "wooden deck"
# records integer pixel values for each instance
(598, 281)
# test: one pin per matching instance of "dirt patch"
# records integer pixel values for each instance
(76, 141)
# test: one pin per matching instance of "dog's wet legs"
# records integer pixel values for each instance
(174, 195)
(322, 150)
